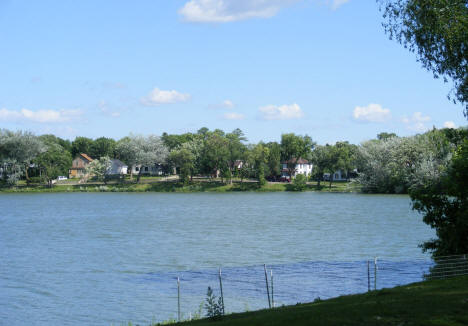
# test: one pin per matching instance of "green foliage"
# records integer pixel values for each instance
(437, 31)
(443, 202)
(396, 164)
(300, 182)
(294, 147)
(81, 145)
(54, 162)
(213, 305)
(17, 151)
(102, 147)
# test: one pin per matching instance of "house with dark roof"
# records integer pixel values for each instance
(301, 166)
(79, 164)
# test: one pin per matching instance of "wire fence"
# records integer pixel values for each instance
(264, 286)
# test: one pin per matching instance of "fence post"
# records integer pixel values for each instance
(368, 276)
(178, 299)
(221, 289)
(375, 273)
(266, 281)
(272, 293)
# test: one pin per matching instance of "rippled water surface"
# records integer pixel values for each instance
(102, 259)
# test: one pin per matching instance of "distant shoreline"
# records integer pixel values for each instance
(176, 187)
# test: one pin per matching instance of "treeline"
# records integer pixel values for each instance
(387, 164)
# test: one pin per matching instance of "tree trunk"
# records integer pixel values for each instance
(26, 174)
(139, 176)
(331, 180)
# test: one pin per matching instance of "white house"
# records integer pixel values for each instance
(155, 169)
(302, 166)
(337, 176)
(117, 168)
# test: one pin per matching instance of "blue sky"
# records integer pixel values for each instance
(109, 68)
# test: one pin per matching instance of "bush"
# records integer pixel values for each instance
(300, 182)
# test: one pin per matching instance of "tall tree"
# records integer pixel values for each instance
(55, 161)
(236, 149)
(294, 147)
(17, 151)
(81, 145)
(102, 147)
(436, 30)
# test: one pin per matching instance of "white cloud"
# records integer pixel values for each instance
(158, 96)
(417, 122)
(283, 112)
(41, 116)
(233, 116)
(450, 124)
(224, 11)
(228, 104)
(338, 3)
(371, 113)
(104, 107)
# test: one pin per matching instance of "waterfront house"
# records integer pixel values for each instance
(79, 164)
(117, 168)
(301, 166)
(154, 169)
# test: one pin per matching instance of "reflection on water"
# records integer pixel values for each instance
(97, 259)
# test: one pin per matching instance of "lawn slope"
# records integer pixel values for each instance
(441, 302)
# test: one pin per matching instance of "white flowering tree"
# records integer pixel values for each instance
(140, 151)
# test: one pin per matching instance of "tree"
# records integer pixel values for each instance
(258, 159)
(436, 30)
(17, 151)
(443, 202)
(185, 160)
(294, 147)
(236, 150)
(141, 151)
(98, 168)
(102, 147)
(385, 135)
(54, 162)
(81, 145)
(216, 153)
(274, 159)
(321, 160)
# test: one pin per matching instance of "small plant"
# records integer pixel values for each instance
(213, 305)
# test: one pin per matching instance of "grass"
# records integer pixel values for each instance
(159, 185)
(431, 303)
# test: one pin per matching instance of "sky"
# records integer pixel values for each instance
(109, 68)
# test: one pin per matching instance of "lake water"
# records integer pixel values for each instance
(107, 258)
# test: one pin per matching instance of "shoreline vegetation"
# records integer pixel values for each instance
(435, 302)
(160, 184)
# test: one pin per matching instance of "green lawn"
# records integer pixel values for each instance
(431, 303)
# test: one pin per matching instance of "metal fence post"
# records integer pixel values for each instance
(272, 293)
(221, 289)
(178, 299)
(368, 276)
(375, 273)
(266, 281)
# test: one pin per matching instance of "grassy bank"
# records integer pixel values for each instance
(174, 186)
(432, 303)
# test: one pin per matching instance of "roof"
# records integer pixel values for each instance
(299, 161)
(117, 162)
(86, 157)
